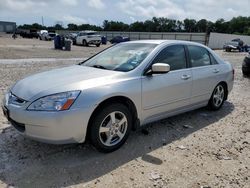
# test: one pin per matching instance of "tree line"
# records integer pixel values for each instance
(237, 25)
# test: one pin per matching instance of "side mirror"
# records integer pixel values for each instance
(159, 68)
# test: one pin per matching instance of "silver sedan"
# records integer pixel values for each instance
(124, 87)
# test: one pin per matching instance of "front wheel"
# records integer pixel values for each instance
(110, 128)
(84, 43)
(218, 97)
(97, 45)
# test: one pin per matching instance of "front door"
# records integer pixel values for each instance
(162, 93)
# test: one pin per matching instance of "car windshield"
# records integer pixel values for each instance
(123, 57)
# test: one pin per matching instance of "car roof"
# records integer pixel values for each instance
(158, 42)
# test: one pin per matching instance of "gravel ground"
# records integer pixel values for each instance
(196, 149)
(35, 48)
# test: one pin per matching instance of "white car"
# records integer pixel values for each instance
(123, 87)
(88, 37)
(48, 36)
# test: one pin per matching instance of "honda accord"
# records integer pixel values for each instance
(125, 86)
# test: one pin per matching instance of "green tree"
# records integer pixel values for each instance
(137, 26)
(190, 25)
(72, 26)
(201, 25)
(58, 27)
(221, 26)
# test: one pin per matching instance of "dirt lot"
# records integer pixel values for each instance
(196, 149)
(34, 48)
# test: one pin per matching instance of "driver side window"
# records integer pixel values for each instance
(174, 56)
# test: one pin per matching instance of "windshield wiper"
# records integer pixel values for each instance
(99, 66)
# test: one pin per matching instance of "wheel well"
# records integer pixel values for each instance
(118, 99)
(225, 87)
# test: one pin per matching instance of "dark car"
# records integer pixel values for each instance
(246, 65)
(236, 44)
(119, 39)
(29, 34)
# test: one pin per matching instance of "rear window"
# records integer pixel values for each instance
(199, 56)
(213, 60)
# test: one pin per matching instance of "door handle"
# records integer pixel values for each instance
(185, 77)
(216, 70)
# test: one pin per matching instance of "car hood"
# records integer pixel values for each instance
(69, 78)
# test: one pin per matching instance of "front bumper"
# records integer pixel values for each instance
(62, 127)
(94, 42)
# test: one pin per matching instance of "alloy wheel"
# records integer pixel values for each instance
(113, 128)
(218, 96)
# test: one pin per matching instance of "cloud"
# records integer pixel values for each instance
(21, 5)
(181, 9)
(70, 2)
(74, 19)
(132, 19)
(92, 11)
(97, 4)
(147, 8)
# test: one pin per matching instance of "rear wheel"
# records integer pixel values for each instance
(110, 128)
(218, 97)
(97, 45)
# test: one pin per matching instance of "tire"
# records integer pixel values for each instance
(245, 73)
(218, 97)
(98, 45)
(84, 43)
(107, 139)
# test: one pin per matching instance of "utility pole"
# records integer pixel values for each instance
(42, 21)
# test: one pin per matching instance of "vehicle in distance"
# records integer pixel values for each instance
(236, 44)
(119, 39)
(47, 36)
(86, 38)
(246, 65)
(125, 86)
(72, 37)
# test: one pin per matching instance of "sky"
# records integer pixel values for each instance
(128, 11)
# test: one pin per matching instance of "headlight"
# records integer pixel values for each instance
(55, 102)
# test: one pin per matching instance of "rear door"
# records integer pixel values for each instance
(170, 91)
(205, 71)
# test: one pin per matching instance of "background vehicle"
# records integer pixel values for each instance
(88, 37)
(72, 36)
(48, 36)
(246, 65)
(40, 33)
(32, 33)
(121, 88)
(119, 39)
(235, 44)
